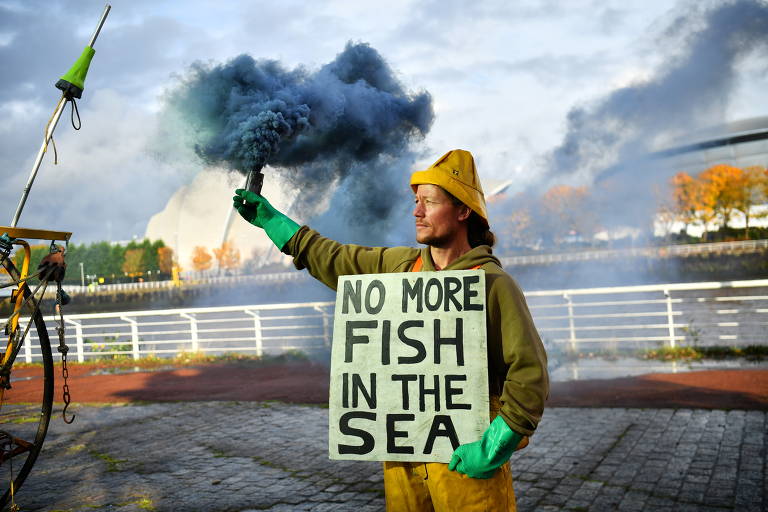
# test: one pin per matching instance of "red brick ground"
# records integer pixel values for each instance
(308, 383)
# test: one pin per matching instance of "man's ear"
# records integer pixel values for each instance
(464, 213)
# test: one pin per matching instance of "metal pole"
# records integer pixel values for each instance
(48, 135)
(101, 24)
(49, 132)
(193, 331)
(134, 336)
(571, 324)
(670, 319)
(258, 337)
(82, 275)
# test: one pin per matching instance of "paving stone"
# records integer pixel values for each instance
(241, 457)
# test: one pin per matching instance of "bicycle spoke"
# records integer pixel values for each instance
(24, 418)
(13, 446)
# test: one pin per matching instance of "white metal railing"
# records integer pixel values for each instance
(507, 261)
(195, 281)
(634, 252)
(711, 313)
(651, 315)
(256, 330)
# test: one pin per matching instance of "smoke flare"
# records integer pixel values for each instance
(350, 121)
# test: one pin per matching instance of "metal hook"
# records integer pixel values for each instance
(64, 412)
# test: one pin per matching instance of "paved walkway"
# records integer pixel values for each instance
(229, 456)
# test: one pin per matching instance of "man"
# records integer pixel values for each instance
(452, 221)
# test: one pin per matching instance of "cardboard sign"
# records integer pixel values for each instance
(409, 372)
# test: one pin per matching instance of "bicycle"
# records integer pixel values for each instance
(23, 430)
(22, 440)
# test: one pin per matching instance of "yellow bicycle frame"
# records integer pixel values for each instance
(19, 300)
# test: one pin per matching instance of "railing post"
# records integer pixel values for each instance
(670, 319)
(28, 348)
(326, 326)
(134, 335)
(79, 344)
(192, 331)
(257, 331)
(326, 329)
(571, 323)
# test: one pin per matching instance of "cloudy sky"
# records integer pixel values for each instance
(503, 77)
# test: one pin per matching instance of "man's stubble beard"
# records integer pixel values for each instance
(439, 242)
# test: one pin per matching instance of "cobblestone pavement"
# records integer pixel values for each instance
(228, 456)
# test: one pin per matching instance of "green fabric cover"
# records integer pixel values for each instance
(78, 71)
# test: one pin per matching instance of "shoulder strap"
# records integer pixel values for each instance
(417, 264)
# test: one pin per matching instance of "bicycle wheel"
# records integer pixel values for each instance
(24, 423)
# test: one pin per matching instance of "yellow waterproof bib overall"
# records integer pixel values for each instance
(419, 486)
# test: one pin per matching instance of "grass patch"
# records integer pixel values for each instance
(75, 448)
(144, 503)
(113, 464)
(183, 359)
(25, 419)
(687, 353)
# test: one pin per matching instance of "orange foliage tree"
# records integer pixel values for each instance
(717, 193)
(568, 212)
(519, 229)
(133, 263)
(688, 194)
(722, 185)
(752, 191)
(165, 259)
(201, 259)
(228, 256)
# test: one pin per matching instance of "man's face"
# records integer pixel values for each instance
(438, 220)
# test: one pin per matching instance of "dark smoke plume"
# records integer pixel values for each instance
(350, 123)
(690, 91)
(609, 139)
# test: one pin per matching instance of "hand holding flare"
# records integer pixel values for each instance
(256, 209)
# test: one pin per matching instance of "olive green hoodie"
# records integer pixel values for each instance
(517, 362)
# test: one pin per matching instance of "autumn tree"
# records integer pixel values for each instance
(568, 212)
(165, 259)
(722, 186)
(688, 196)
(666, 209)
(201, 259)
(227, 256)
(519, 229)
(134, 261)
(752, 190)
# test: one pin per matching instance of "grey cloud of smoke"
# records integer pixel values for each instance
(350, 125)
(692, 89)
(607, 140)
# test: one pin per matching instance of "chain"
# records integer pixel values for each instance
(63, 349)
(7, 440)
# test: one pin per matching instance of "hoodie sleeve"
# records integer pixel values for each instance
(512, 337)
(326, 259)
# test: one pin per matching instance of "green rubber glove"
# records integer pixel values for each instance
(481, 458)
(257, 210)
